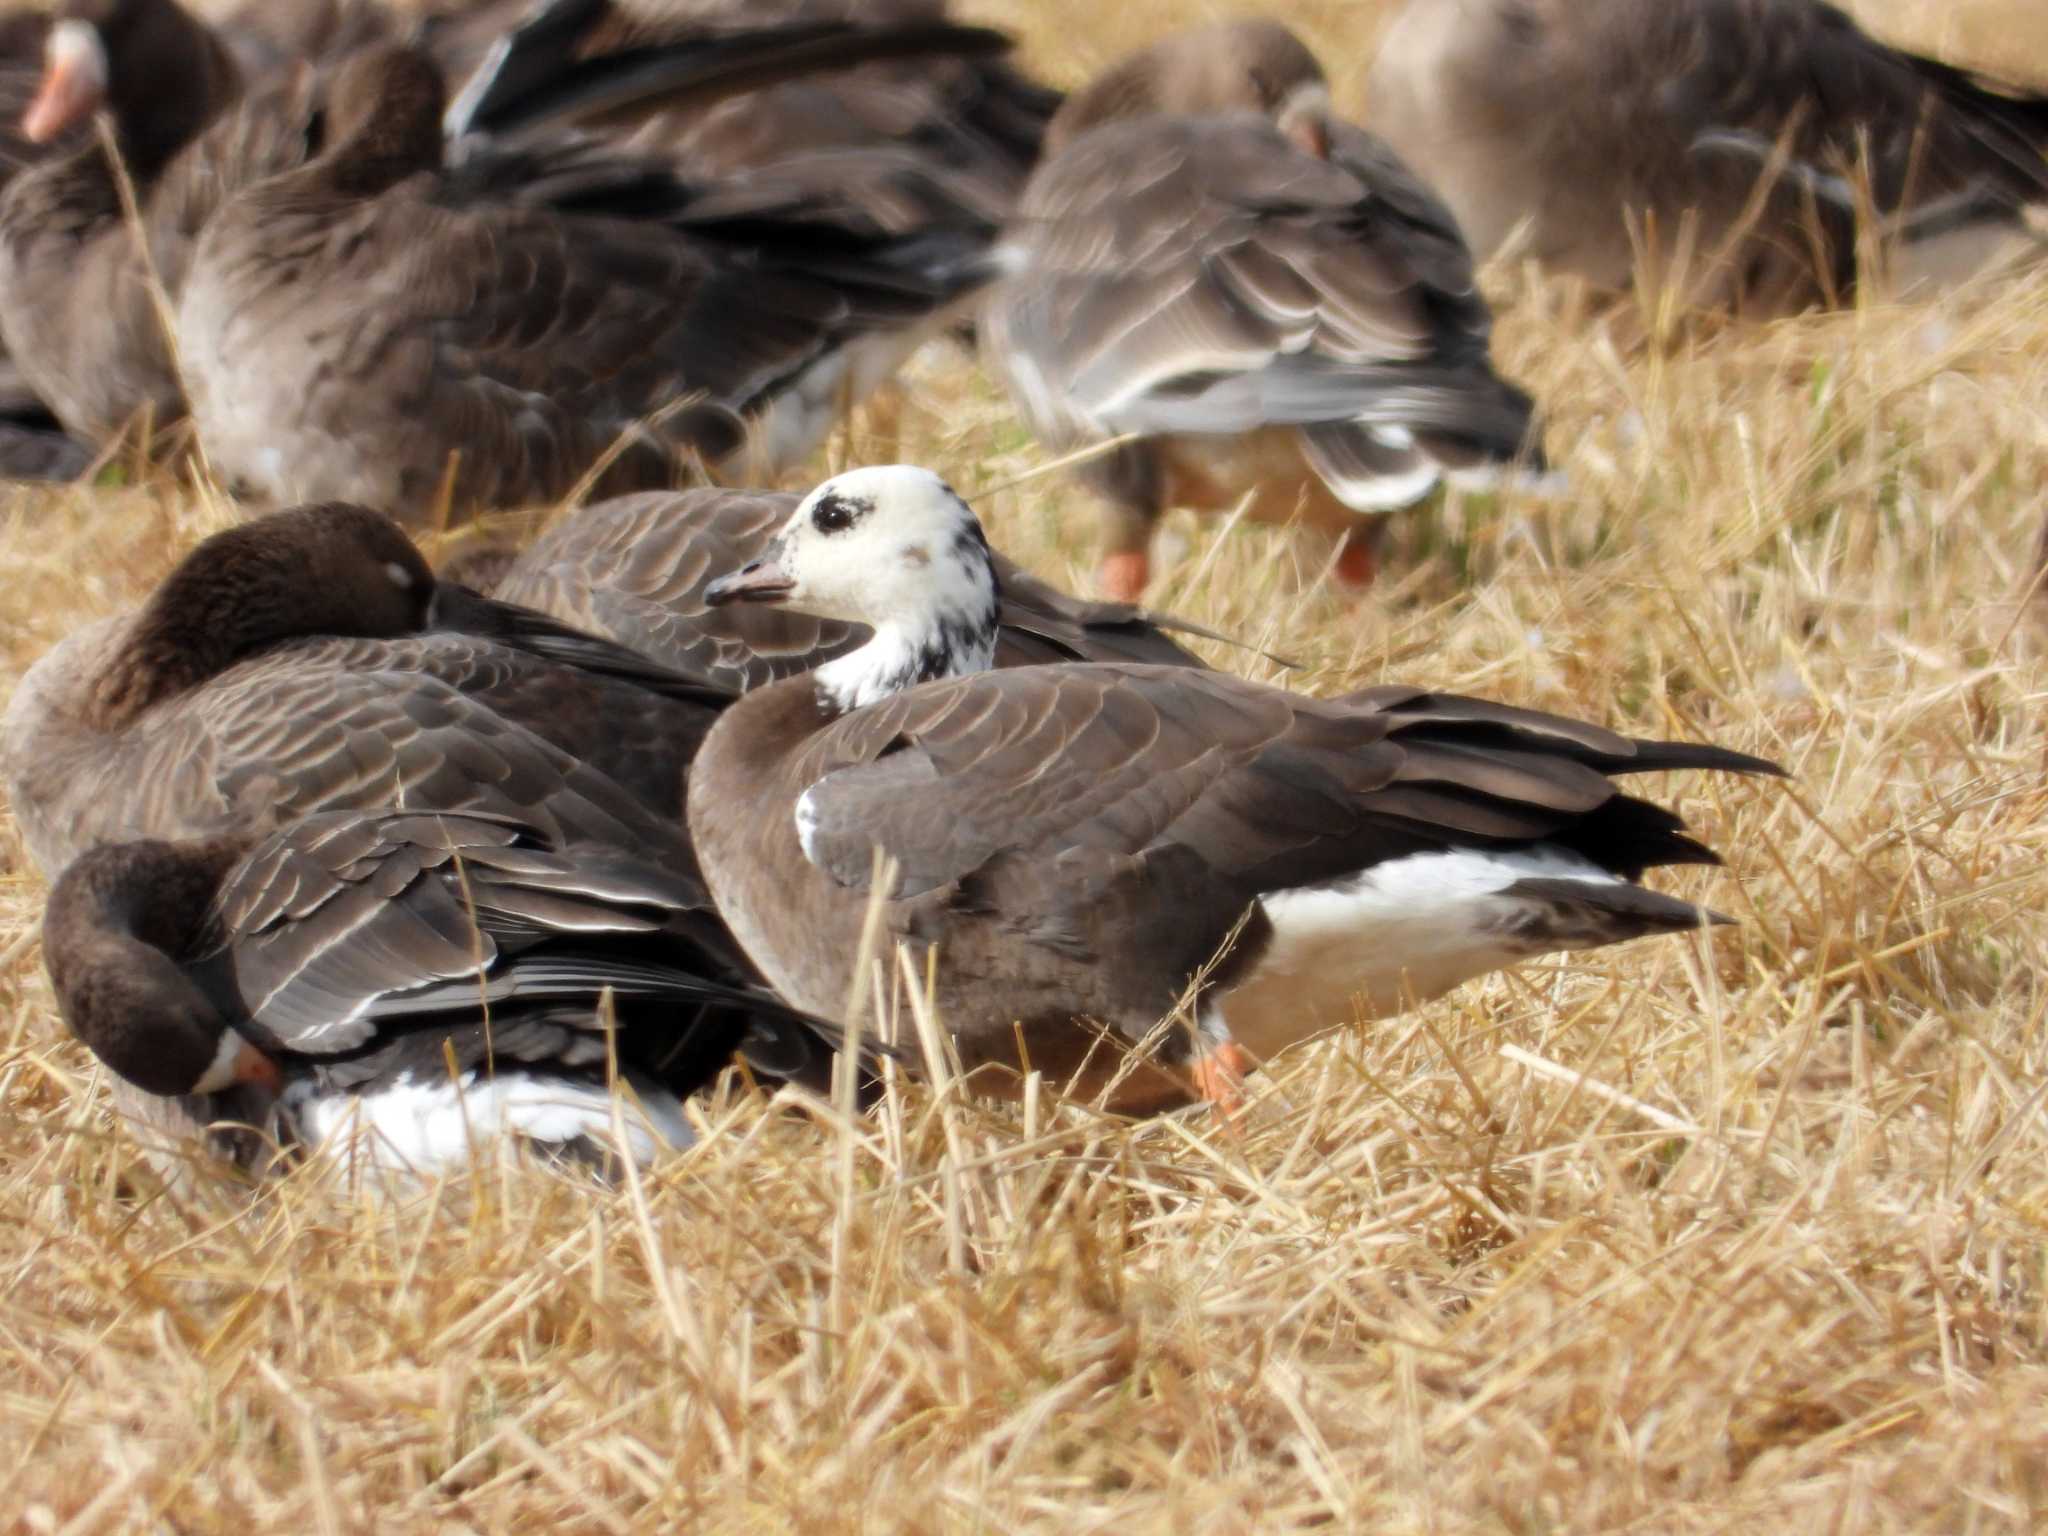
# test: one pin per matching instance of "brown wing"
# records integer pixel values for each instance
(1036, 789)
(1204, 276)
(351, 348)
(341, 724)
(1807, 71)
(351, 925)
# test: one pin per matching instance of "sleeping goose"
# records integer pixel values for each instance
(309, 661)
(1258, 292)
(286, 669)
(373, 324)
(1095, 842)
(1588, 117)
(434, 980)
(634, 569)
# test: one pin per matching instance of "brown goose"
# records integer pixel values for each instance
(77, 297)
(284, 669)
(308, 661)
(973, 123)
(634, 569)
(433, 980)
(364, 327)
(1259, 292)
(1587, 116)
(1079, 842)
(75, 302)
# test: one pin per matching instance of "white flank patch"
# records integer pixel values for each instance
(1409, 929)
(806, 824)
(425, 1126)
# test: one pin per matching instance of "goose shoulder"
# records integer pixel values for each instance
(282, 668)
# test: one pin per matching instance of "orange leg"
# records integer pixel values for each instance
(1358, 562)
(1219, 1075)
(1123, 574)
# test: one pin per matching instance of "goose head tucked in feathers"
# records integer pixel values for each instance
(1259, 67)
(891, 546)
(332, 569)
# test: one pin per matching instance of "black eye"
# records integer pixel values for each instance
(831, 515)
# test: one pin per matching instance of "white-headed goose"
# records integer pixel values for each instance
(1587, 117)
(634, 570)
(431, 980)
(1208, 259)
(1077, 842)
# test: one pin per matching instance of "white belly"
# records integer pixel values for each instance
(423, 1126)
(1399, 933)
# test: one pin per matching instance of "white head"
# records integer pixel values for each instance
(894, 547)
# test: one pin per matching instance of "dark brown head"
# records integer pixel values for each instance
(1236, 66)
(383, 120)
(124, 939)
(161, 73)
(330, 569)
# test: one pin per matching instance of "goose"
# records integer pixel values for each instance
(634, 570)
(309, 660)
(361, 327)
(435, 981)
(975, 123)
(1101, 842)
(79, 296)
(286, 668)
(75, 304)
(1587, 118)
(1257, 293)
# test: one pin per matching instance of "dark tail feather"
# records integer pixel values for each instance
(532, 79)
(1582, 915)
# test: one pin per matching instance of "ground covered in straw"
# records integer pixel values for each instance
(1735, 1232)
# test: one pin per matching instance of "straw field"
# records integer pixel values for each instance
(1737, 1232)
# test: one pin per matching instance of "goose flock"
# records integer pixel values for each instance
(345, 849)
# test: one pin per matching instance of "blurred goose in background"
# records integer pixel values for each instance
(1589, 117)
(884, 131)
(288, 668)
(77, 300)
(1258, 292)
(634, 570)
(433, 981)
(33, 445)
(1109, 843)
(378, 327)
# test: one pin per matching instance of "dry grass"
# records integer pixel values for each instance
(1691, 1236)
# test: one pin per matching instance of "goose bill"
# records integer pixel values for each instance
(74, 82)
(764, 581)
